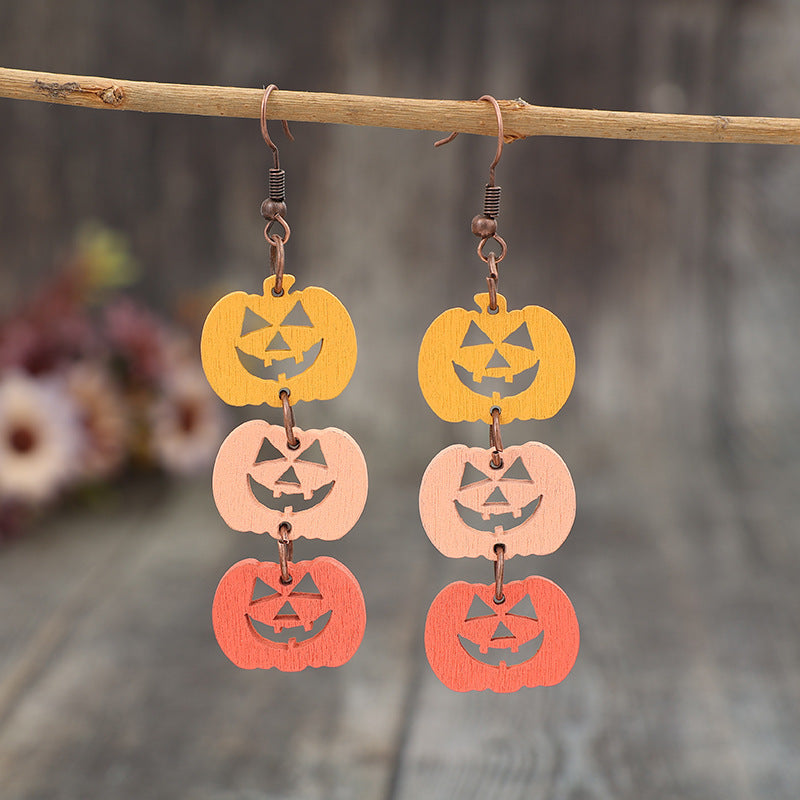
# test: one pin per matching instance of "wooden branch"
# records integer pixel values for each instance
(520, 118)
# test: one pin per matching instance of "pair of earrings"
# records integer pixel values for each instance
(493, 365)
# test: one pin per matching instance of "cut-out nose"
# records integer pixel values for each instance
(286, 610)
(278, 343)
(496, 498)
(501, 632)
(497, 361)
(290, 476)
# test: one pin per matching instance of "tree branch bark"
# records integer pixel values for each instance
(521, 119)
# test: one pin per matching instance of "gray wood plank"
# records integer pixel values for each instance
(686, 684)
(139, 701)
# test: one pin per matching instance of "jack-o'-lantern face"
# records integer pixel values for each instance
(467, 507)
(319, 488)
(530, 639)
(521, 361)
(317, 620)
(253, 346)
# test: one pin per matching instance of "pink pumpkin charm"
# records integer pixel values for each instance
(319, 488)
(467, 507)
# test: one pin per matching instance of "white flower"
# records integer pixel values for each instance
(40, 438)
(187, 423)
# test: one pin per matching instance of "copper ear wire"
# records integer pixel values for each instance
(484, 226)
(265, 131)
(500, 139)
(273, 209)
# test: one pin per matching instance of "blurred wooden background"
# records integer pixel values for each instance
(674, 266)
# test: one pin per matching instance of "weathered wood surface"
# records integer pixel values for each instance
(675, 269)
(686, 684)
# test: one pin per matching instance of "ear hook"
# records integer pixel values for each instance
(265, 133)
(500, 139)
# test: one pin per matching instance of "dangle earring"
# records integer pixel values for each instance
(497, 365)
(277, 348)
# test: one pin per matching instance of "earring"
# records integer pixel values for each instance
(498, 365)
(279, 347)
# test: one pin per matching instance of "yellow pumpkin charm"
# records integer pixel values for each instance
(253, 346)
(520, 361)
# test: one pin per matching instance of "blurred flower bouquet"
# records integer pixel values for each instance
(94, 387)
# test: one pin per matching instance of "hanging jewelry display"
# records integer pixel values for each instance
(280, 347)
(498, 365)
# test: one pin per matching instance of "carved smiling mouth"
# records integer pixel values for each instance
(284, 367)
(488, 386)
(287, 502)
(286, 636)
(503, 522)
(495, 656)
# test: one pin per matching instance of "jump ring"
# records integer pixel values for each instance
(288, 420)
(500, 241)
(285, 552)
(287, 231)
(495, 440)
(499, 568)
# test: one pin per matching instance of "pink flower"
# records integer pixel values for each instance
(138, 338)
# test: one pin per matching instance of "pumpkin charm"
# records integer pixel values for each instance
(319, 488)
(253, 346)
(520, 361)
(467, 507)
(530, 639)
(317, 620)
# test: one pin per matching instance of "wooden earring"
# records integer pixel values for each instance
(498, 365)
(276, 348)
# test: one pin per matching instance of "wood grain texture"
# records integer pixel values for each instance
(319, 488)
(467, 507)
(317, 620)
(253, 346)
(521, 361)
(520, 118)
(530, 639)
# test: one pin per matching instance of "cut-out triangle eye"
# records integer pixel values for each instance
(497, 361)
(278, 343)
(253, 322)
(521, 337)
(474, 336)
(298, 316)
(471, 476)
(268, 452)
(307, 586)
(524, 608)
(516, 472)
(313, 455)
(479, 609)
(261, 590)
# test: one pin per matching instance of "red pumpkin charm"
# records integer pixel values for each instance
(319, 488)
(317, 620)
(467, 507)
(530, 639)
